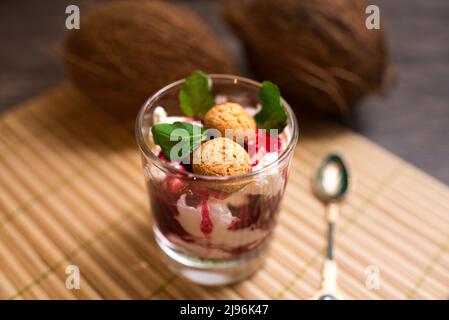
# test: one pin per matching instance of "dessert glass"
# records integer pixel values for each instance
(213, 230)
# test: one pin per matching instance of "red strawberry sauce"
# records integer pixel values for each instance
(206, 222)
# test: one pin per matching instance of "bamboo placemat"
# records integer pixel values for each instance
(71, 192)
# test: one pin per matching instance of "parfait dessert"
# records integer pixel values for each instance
(216, 152)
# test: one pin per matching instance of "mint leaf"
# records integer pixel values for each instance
(195, 96)
(272, 115)
(185, 136)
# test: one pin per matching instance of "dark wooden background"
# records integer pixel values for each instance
(413, 121)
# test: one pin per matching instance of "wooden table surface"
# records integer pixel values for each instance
(412, 122)
(72, 193)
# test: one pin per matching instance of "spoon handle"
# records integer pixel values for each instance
(330, 241)
(333, 210)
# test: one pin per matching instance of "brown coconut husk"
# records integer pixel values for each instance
(319, 52)
(127, 50)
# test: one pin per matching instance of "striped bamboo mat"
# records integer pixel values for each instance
(72, 193)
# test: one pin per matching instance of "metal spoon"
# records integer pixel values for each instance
(331, 185)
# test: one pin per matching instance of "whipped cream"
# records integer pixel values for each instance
(190, 219)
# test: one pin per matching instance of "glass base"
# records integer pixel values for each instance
(210, 272)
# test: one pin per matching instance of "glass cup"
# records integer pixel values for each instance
(213, 230)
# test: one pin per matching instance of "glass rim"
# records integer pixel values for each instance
(168, 167)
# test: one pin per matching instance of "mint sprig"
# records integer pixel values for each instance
(195, 96)
(272, 115)
(186, 136)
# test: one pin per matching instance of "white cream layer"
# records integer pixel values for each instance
(190, 219)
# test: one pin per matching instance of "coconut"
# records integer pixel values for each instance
(127, 50)
(319, 52)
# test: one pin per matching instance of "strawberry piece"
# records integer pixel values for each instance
(174, 186)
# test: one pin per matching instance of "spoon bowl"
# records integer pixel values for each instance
(332, 179)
